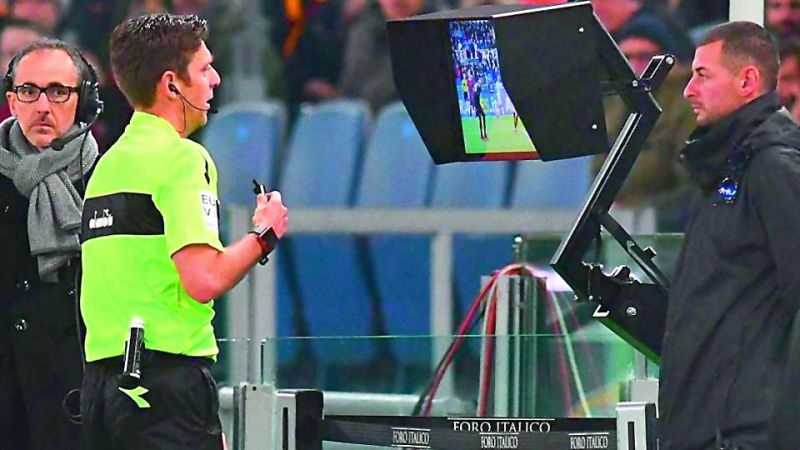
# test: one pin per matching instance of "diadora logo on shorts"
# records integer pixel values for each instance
(105, 220)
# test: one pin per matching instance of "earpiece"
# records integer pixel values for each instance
(172, 88)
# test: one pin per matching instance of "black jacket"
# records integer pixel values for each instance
(40, 357)
(737, 283)
(19, 276)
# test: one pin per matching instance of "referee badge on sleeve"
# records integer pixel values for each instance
(208, 202)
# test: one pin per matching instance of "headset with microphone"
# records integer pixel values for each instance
(89, 104)
(173, 88)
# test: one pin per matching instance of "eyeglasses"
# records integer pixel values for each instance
(56, 93)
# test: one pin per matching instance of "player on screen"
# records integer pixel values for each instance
(476, 103)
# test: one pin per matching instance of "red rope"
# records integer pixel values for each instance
(464, 327)
(488, 360)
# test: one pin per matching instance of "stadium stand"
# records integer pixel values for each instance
(319, 274)
(560, 184)
(244, 140)
(397, 174)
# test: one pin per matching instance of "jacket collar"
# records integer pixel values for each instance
(709, 148)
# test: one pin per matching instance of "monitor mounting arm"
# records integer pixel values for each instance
(634, 310)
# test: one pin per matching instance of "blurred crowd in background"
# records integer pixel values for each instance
(315, 50)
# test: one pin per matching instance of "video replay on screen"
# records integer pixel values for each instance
(489, 120)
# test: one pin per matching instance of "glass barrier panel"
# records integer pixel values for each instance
(553, 375)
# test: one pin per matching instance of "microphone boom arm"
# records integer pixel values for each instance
(58, 143)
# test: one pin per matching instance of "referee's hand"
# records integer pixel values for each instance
(270, 212)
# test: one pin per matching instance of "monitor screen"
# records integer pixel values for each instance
(490, 125)
(503, 82)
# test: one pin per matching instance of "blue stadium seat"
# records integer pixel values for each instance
(397, 174)
(397, 166)
(319, 171)
(244, 140)
(478, 185)
(561, 184)
(324, 152)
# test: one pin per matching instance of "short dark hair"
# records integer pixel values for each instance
(145, 47)
(746, 43)
(52, 44)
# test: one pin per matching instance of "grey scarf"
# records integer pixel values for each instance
(46, 178)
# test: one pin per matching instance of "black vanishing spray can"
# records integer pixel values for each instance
(132, 365)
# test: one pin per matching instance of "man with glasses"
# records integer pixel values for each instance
(40, 211)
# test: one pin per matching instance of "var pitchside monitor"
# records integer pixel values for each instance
(490, 124)
(502, 82)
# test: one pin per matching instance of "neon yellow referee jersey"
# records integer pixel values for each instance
(150, 195)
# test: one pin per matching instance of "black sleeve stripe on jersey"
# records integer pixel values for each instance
(121, 213)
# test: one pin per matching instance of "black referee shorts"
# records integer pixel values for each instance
(178, 411)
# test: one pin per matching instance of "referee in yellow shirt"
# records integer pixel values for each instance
(151, 248)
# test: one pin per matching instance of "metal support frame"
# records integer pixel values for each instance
(300, 424)
(635, 311)
(299, 419)
(636, 426)
(238, 305)
(514, 387)
(252, 417)
(442, 304)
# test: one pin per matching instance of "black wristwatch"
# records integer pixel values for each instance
(267, 239)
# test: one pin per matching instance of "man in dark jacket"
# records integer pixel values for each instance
(735, 290)
(40, 213)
